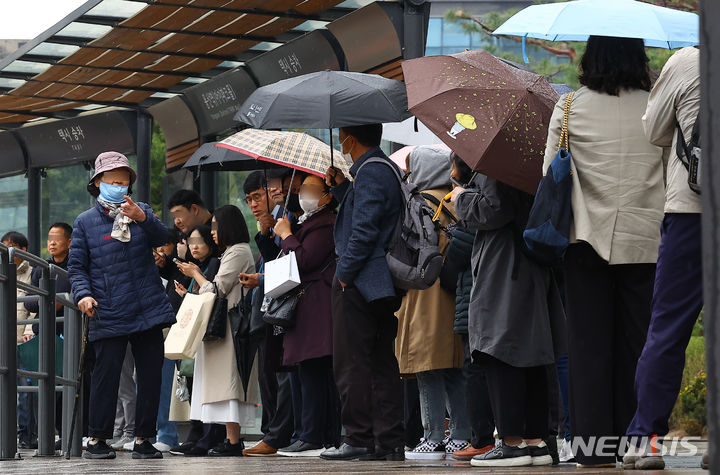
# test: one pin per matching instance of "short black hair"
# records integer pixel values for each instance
(173, 236)
(611, 64)
(462, 168)
(254, 182)
(65, 227)
(205, 232)
(368, 135)
(186, 198)
(231, 227)
(16, 238)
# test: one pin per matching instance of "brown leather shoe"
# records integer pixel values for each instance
(260, 450)
(469, 452)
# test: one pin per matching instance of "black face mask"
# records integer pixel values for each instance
(293, 203)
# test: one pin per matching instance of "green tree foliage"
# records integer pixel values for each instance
(157, 169)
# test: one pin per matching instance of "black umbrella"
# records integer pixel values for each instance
(245, 345)
(211, 158)
(325, 100)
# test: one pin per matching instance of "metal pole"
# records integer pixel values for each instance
(416, 15)
(34, 214)
(143, 146)
(8, 358)
(71, 364)
(709, 121)
(46, 364)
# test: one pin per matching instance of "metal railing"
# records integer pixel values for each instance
(48, 382)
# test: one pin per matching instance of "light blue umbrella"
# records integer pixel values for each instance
(660, 27)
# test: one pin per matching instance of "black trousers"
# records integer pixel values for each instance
(519, 397)
(413, 419)
(479, 408)
(319, 403)
(366, 370)
(608, 313)
(147, 348)
(275, 394)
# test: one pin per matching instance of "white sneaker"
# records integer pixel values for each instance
(566, 454)
(85, 442)
(120, 443)
(129, 446)
(426, 450)
(162, 446)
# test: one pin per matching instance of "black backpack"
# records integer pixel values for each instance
(689, 155)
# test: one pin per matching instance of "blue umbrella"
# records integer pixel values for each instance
(660, 27)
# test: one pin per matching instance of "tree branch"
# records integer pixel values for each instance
(569, 52)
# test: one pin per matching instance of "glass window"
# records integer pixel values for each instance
(434, 37)
(13, 204)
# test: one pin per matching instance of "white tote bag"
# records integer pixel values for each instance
(281, 275)
(185, 335)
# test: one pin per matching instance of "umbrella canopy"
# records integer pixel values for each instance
(409, 132)
(399, 157)
(212, 158)
(291, 149)
(575, 21)
(324, 100)
(493, 115)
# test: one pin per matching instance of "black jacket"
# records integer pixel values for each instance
(456, 273)
(62, 285)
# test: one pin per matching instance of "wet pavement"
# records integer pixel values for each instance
(217, 466)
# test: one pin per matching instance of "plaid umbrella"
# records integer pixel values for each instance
(291, 149)
(493, 115)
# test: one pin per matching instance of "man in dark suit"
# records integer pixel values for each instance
(364, 302)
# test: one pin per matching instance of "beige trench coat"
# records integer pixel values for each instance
(425, 339)
(220, 375)
(618, 191)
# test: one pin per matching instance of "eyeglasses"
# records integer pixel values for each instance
(195, 241)
(256, 197)
(214, 226)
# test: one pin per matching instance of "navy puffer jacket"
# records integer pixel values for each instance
(457, 268)
(121, 277)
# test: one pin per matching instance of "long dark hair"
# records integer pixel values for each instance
(207, 238)
(231, 227)
(611, 64)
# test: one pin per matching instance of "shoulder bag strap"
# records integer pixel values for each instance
(564, 141)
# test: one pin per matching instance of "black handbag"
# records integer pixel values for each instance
(281, 310)
(217, 324)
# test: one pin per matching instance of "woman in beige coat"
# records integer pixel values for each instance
(617, 204)
(219, 396)
(426, 344)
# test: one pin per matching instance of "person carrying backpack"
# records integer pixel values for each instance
(678, 292)
(364, 301)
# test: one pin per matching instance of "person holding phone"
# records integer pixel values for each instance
(116, 283)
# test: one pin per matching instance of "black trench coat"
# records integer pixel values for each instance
(515, 313)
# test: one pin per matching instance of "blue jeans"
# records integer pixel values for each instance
(167, 431)
(439, 390)
(26, 413)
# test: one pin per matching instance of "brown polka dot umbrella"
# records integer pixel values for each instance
(491, 114)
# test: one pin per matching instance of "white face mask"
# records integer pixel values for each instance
(308, 203)
(348, 158)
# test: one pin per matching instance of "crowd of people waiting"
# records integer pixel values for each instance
(497, 343)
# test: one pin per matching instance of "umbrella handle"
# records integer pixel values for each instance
(333, 183)
(287, 198)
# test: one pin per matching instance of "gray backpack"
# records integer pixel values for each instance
(413, 255)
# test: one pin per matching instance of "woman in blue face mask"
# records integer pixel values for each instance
(115, 281)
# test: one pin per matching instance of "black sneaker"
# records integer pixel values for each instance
(391, 455)
(146, 450)
(99, 450)
(226, 449)
(183, 448)
(58, 444)
(541, 454)
(504, 456)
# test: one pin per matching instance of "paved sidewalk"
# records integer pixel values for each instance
(218, 466)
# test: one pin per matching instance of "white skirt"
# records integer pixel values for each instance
(220, 412)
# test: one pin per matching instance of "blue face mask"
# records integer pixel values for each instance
(112, 193)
